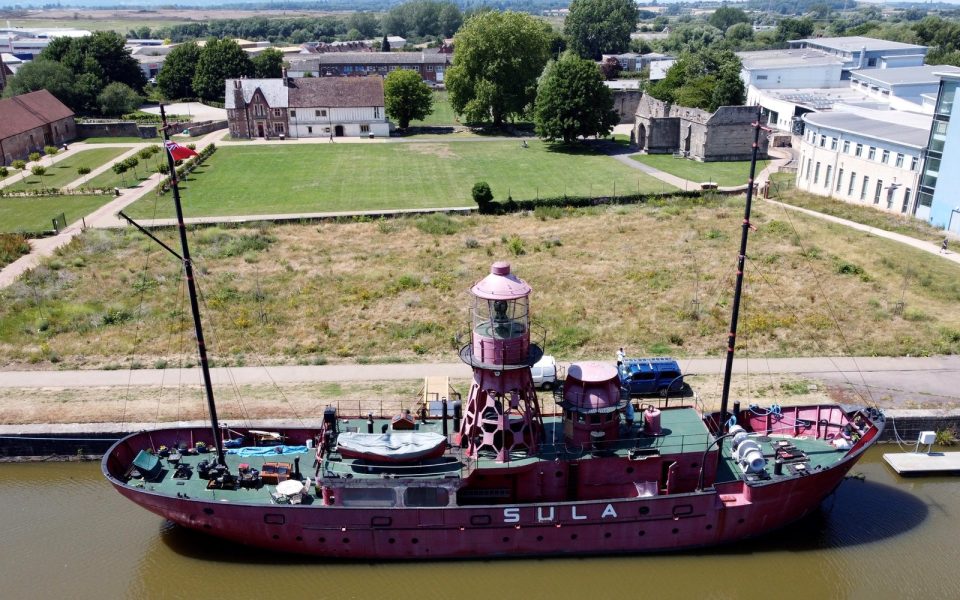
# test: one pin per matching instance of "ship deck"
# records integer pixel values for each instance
(683, 433)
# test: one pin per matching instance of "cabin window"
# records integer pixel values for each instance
(367, 496)
(426, 497)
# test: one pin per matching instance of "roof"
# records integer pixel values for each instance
(369, 58)
(273, 91)
(29, 111)
(905, 75)
(793, 58)
(857, 124)
(336, 92)
(855, 43)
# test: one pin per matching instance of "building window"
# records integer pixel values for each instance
(347, 69)
(846, 147)
(872, 153)
(809, 162)
(833, 143)
(899, 160)
(277, 112)
(383, 69)
(320, 113)
(885, 157)
(258, 110)
(863, 190)
(376, 112)
(816, 172)
(859, 150)
(761, 77)
(416, 68)
(293, 113)
(429, 68)
(278, 127)
(364, 129)
(913, 163)
(876, 193)
(871, 62)
(839, 180)
(906, 200)
(853, 182)
(326, 130)
(823, 140)
(309, 129)
(828, 177)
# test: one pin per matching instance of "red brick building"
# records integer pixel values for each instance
(29, 122)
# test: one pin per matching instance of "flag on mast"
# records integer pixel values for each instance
(179, 152)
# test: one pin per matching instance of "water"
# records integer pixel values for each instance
(67, 533)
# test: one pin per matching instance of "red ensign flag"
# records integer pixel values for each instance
(179, 152)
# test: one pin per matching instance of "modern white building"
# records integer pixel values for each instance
(902, 88)
(790, 69)
(864, 157)
(939, 198)
(859, 52)
(26, 43)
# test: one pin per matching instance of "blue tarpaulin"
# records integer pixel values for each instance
(267, 450)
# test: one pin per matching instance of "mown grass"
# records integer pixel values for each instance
(442, 112)
(342, 177)
(655, 279)
(146, 168)
(863, 213)
(34, 214)
(118, 140)
(721, 173)
(63, 172)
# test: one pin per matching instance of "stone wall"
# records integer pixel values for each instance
(206, 127)
(116, 129)
(625, 103)
(729, 135)
(18, 147)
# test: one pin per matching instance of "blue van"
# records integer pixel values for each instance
(651, 376)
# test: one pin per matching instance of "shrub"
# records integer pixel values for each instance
(482, 195)
(50, 150)
(34, 156)
(146, 153)
(3, 172)
(83, 170)
(438, 224)
(163, 168)
(38, 170)
(19, 164)
(12, 247)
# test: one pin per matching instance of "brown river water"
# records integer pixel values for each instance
(67, 534)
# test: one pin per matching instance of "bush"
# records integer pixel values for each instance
(19, 164)
(34, 156)
(38, 170)
(483, 196)
(83, 170)
(3, 172)
(50, 150)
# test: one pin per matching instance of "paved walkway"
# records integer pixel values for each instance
(79, 182)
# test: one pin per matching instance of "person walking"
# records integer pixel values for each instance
(943, 246)
(621, 355)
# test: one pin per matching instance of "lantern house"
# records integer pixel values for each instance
(502, 416)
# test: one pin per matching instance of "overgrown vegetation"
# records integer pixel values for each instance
(12, 247)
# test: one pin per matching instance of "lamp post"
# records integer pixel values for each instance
(956, 210)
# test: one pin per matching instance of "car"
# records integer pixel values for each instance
(651, 376)
(544, 373)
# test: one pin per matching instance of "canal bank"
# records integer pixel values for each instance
(70, 440)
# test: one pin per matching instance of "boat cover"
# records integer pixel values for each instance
(267, 450)
(148, 464)
(394, 446)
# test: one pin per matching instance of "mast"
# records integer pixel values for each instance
(192, 288)
(741, 258)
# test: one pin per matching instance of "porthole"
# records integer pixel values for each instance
(607, 535)
(739, 521)
(299, 538)
(276, 537)
(322, 540)
(675, 530)
(629, 470)
(558, 474)
(506, 539)
(644, 510)
(642, 533)
(573, 536)
(392, 541)
(208, 511)
(709, 527)
(415, 541)
(539, 538)
(346, 540)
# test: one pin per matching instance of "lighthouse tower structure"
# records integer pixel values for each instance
(502, 417)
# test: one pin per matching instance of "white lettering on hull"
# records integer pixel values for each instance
(548, 514)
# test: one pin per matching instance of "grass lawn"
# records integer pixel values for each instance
(266, 179)
(10, 173)
(442, 112)
(721, 173)
(35, 214)
(118, 140)
(119, 25)
(109, 179)
(63, 172)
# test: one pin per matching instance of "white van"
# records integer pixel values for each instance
(545, 373)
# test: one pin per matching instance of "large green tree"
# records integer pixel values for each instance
(407, 97)
(118, 98)
(598, 27)
(102, 54)
(725, 16)
(219, 60)
(495, 68)
(268, 64)
(43, 74)
(707, 80)
(572, 101)
(175, 79)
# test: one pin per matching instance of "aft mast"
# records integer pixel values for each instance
(741, 258)
(192, 289)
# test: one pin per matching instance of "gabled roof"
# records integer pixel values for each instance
(29, 111)
(274, 92)
(336, 92)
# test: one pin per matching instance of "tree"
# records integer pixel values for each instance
(794, 29)
(43, 74)
(572, 101)
(449, 19)
(219, 60)
(729, 90)
(610, 68)
(407, 97)
(117, 99)
(102, 55)
(482, 195)
(268, 64)
(498, 59)
(385, 45)
(705, 80)
(120, 168)
(725, 16)
(365, 22)
(175, 78)
(598, 27)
